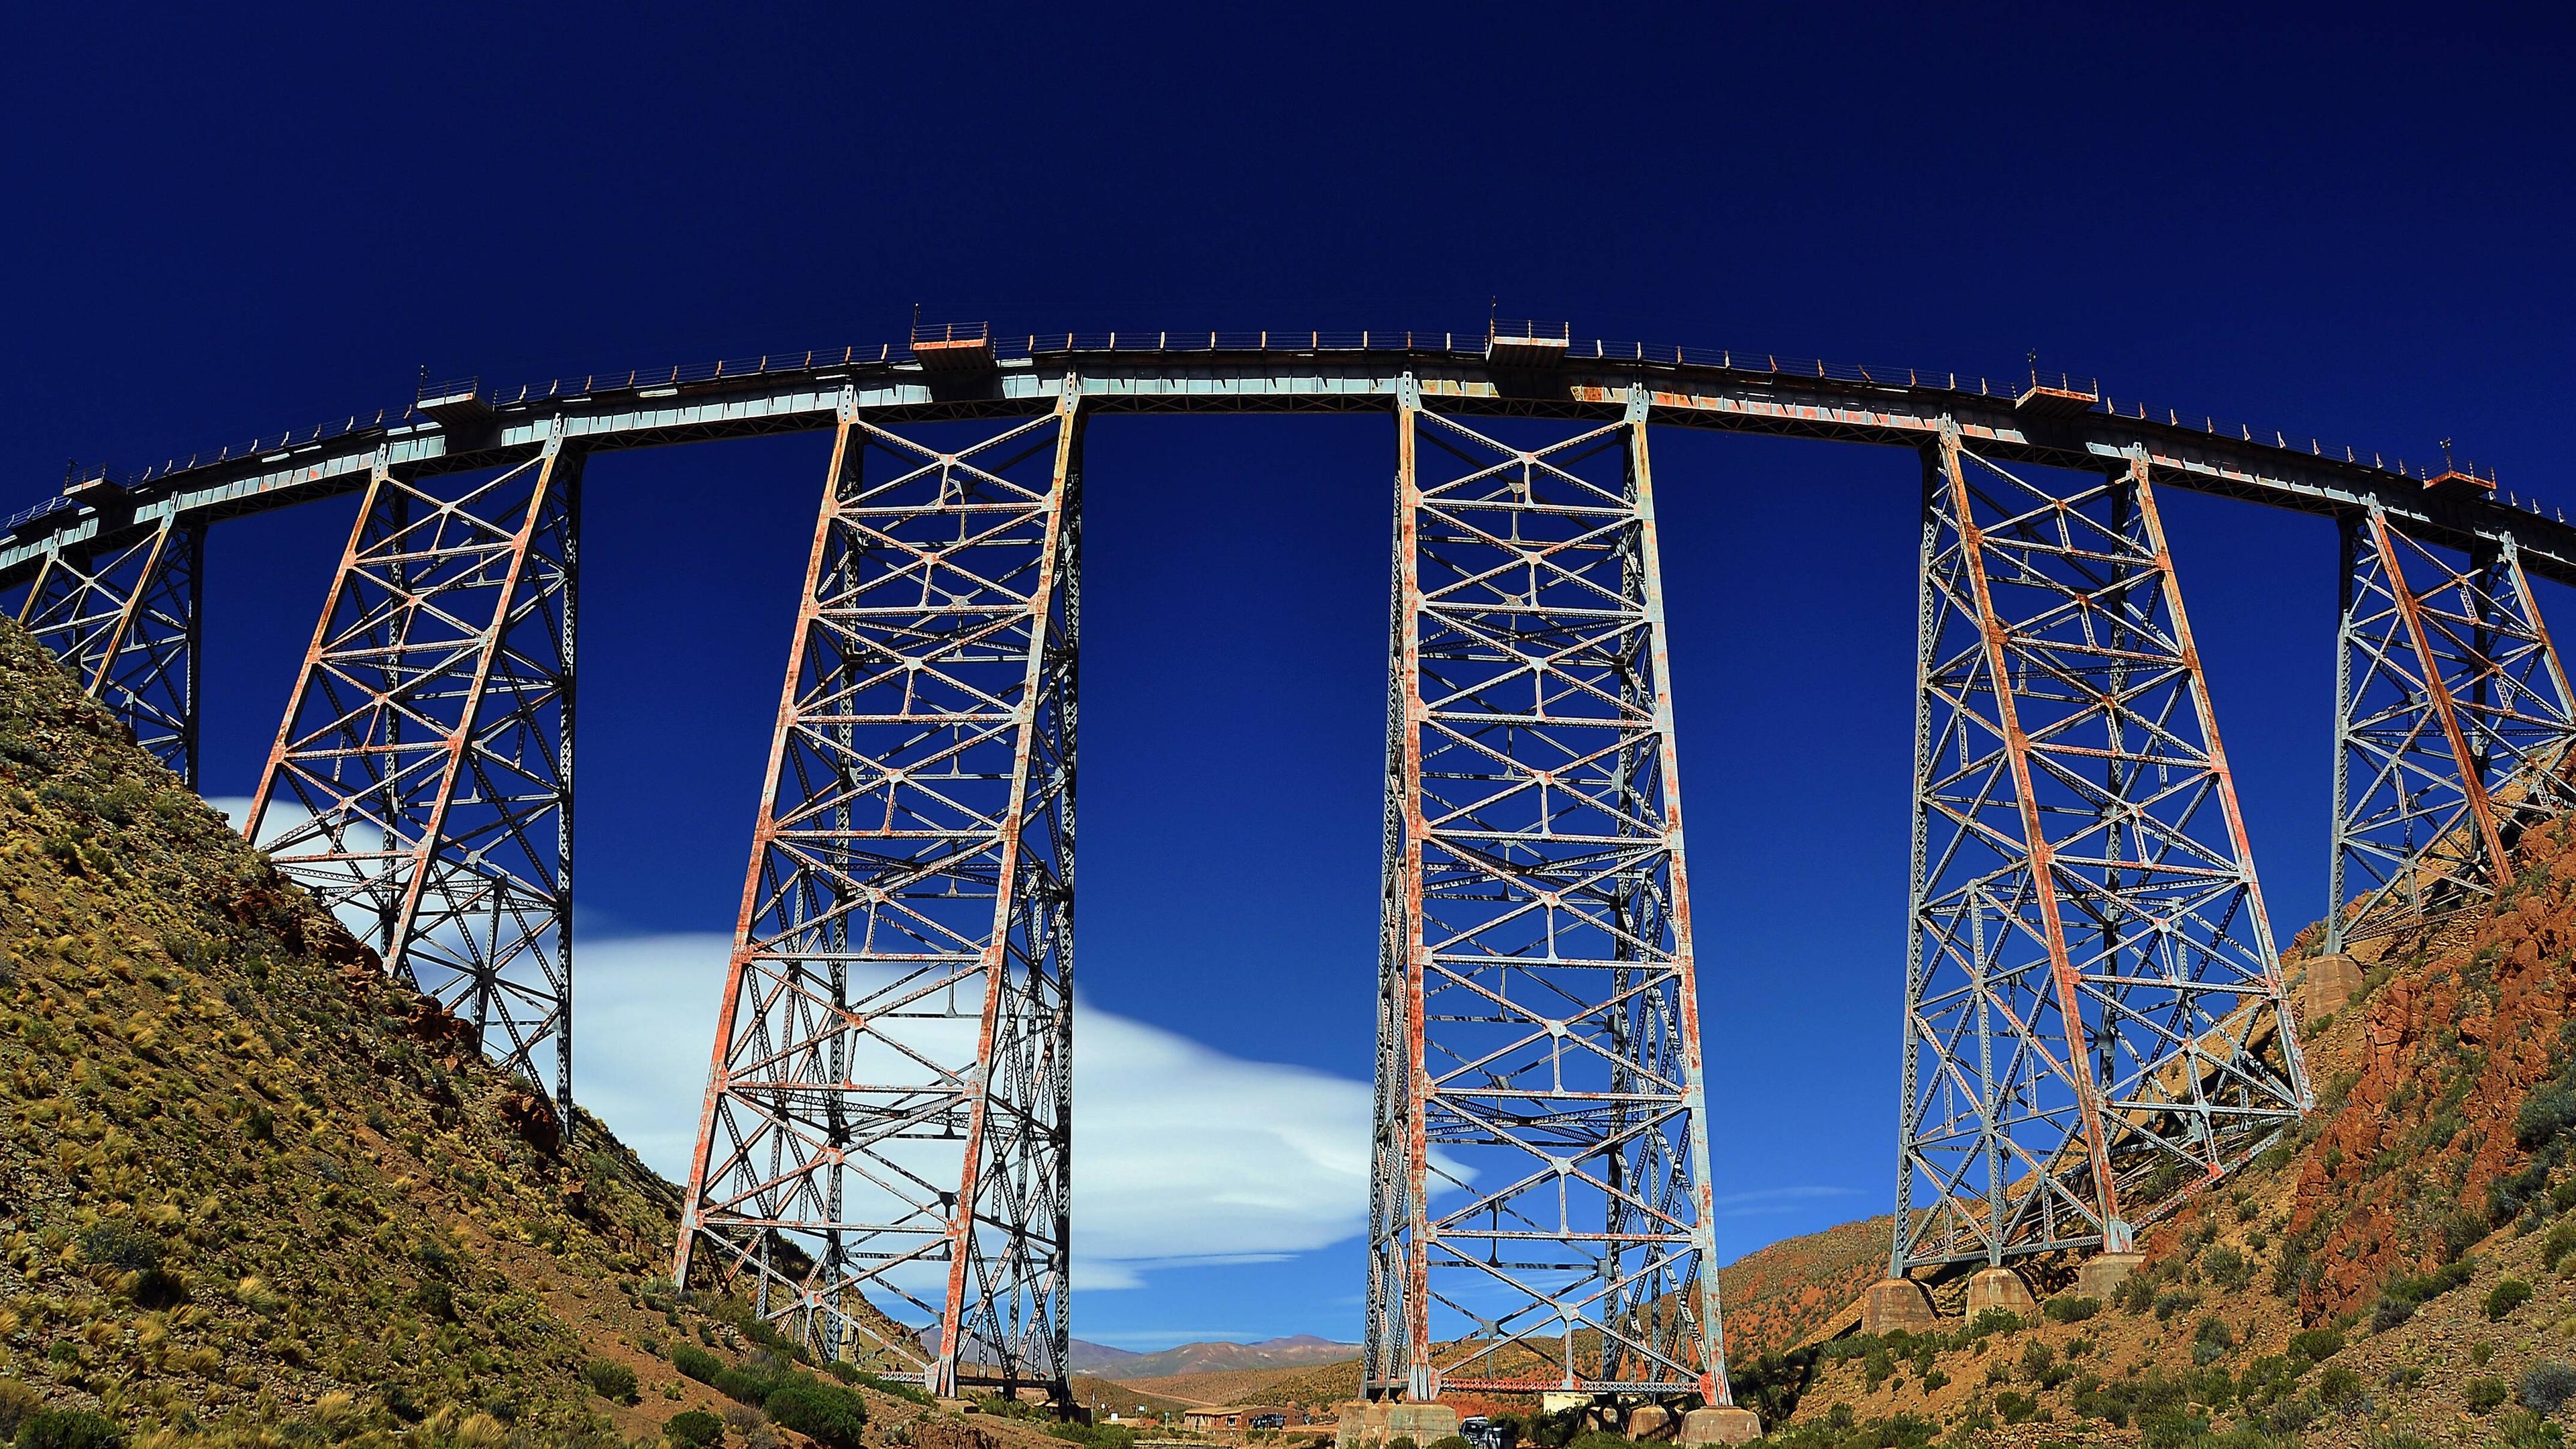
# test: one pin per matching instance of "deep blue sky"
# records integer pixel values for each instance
(2354, 227)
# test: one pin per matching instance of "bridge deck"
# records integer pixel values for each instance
(464, 428)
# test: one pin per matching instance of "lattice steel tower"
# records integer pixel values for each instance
(1539, 1208)
(421, 783)
(2094, 1021)
(2452, 724)
(885, 1159)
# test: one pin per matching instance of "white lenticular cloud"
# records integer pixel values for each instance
(1181, 1154)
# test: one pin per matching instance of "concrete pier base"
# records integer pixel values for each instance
(1894, 1304)
(2000, 1288)
(1358, 1423)
(1421, 1423)
(1720, 1426)
(1653, 1424)
(2328, 986)
(2102, 1274)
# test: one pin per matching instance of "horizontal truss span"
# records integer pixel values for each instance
(1283, 372)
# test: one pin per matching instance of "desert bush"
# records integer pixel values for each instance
(2226, 1267)
(2071, 1310)
(2210, 1342)
(2340, 1388)
(118, 1244)
(1451, 1441)
(2399, 1300)
(69, 1429)
(2316, 1345)
(2547, 1385)
(2036, 1359)
(828, 1414)
(610, 1380)
(2485, 1394)
(1994, 1320)
(2507, 1295)
(18, 1404)
(1405, 1441)
(695, 1362)
(742, 1385)
(694, 1429)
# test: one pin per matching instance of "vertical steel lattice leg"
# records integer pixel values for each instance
(124, 618)
(885, 1154)
(421, 782)
(2094, 1017)
(1540, 1204)
(2452, 722)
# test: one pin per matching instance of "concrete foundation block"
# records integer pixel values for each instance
(2328, 986)
(1350, 1424)
(1720, 1426)
(1421, 1423)
(2103, 1273)
(1653, 1424)
(1894, 1304)
(2000, 1288)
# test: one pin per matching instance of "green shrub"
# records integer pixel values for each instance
(2485, 1394)
(18, 1404)
(743, 1386)
(122, 1246)
(828, 1414)
(695, 1362)
(2560, 1242)
(694, 1429)
(1935, 1381)
(2226, 1267)
(2316, 1345)
(1451, 1441)
(1994, 1320)
(610, 1380)
(2071, 1310)
(1405, 1441)
(2507, 1295)
(2399, 1300)
(2547, 1385)
(2340, 1388)
(69, 1429)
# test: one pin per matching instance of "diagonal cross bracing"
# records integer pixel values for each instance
(124, 618)
(1540, 1199)
(421, 782)
(2452, 722)
(884, 1159)
(2094, 1021)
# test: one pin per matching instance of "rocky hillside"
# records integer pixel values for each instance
(2391, 1276)
(1207, 1358)
(250, 1186)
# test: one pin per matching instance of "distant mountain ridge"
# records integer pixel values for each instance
(1214, 1357)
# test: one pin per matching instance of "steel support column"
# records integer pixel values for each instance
(2452, 722)
(1540, 1201)
(421, 782)
(884, 1160)
(124, 619)
(2094, 1018)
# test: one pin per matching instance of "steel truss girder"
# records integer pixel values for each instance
(2094, 1023)
(123, 617)
(1540, 1201)
(884, 1159)
(421, 782)
(2452, 722)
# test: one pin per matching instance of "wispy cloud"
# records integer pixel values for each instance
(1182, 1155)
(1762, 1201)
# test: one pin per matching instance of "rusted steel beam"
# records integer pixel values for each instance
(1539, 1050)
(123, 618)
(2453, 724)
(883, 1158)
(2086, 912)
(420, 780)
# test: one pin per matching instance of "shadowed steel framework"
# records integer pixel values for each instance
(2092, 1004)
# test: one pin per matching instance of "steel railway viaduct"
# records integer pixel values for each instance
(2096, 1020)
